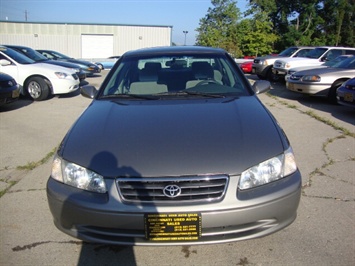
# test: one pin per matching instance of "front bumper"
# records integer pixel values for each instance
(9, 95)
(279, 71)
(309, 88)
(104, 218)
(62, 86)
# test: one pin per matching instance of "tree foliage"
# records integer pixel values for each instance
(273, 25)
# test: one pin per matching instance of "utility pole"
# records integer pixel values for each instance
(26, 15)
(185, 32)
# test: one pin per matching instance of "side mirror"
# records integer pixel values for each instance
(4, 62)
(88, 91)
(261, 86)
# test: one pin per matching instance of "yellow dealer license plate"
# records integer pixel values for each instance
(348, 97)
(172, 226)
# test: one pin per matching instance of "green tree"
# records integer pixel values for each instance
(258, 38)
(219, 27)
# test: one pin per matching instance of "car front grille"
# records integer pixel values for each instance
(296, 77)
(173, 190)
(278, 64)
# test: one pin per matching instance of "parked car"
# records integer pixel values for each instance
(179, 150)
(107, 63)
(89, 68)
(326, 64)
(38, 80)
(322, 81)
(262, 66)
(346, 93)
(9, 89)
(246, 67)
(36, 56)
(314, 58)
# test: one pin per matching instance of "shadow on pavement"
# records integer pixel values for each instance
(97, 254)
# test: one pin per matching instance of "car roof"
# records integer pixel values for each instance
(166, 50)
(16, 46)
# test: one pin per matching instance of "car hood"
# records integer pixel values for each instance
(172, 137)
(81, 62)
(62, 63)
(328, 71)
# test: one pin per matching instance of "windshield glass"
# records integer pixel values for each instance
(175, 75)
(348, 63)
(335, 60)
(34, 55)
(288, 52)
(18, 57)
(317, 53)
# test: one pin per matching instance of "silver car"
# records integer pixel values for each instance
(175, 149)
(322, 81)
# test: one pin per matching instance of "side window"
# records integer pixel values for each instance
(331, 54)
(302, 53)
(350, 52)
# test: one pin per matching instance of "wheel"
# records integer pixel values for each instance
(37, 88)
(332, 94)
(271, 76)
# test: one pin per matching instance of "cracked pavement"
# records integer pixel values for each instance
(322, 136)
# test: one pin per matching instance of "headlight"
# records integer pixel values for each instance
(269, 170)
(266, 63)
(61, 75)
(287, 65)
(312, 78)
(77, 176)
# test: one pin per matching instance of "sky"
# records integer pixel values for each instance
(182, 15)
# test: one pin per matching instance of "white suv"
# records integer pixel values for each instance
(37, 80)
(315, 58)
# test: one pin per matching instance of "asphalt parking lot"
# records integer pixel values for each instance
(323, 139)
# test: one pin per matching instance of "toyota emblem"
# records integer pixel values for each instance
(172, 191)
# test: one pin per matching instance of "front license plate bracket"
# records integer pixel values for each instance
(172, 227)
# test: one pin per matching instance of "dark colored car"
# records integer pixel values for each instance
(9, 89)
(89, 68)
(37, 57)
(175, 149)
(346, 93)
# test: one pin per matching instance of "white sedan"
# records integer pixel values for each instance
(37, 80)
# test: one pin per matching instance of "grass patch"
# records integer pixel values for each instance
(10, 183)
(32, 165)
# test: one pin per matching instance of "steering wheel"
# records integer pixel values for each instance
(207, 81)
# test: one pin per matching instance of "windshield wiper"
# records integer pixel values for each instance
(136, 96)
(198, 93)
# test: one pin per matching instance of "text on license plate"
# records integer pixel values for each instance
(172, 226)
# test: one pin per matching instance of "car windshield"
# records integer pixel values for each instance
(316, 53)
(18, 57)
(34, 55)
(175, 75)
(59, 55)
(335, 61)
(348, 63)
(288, 52)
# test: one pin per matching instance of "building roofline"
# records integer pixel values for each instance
(79, 23)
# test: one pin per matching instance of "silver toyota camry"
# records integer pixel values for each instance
(175, 149)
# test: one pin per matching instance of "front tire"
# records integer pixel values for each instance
(332, 94)
(37, 88)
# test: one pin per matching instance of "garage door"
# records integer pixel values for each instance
(96, 46)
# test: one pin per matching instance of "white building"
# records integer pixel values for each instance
(87, 41)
